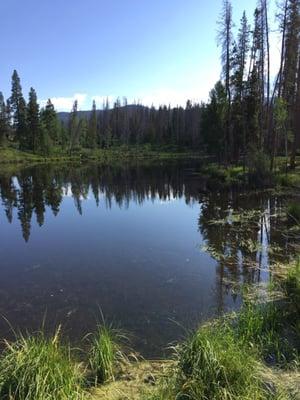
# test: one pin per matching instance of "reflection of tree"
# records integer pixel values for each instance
(25, 203)
(230, 238)
(34, 189)
(238, 230)
(8, 195)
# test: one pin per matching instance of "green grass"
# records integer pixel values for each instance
(213, 364)
(291, 287)
(105, 353)
(293, 212)
(244, 355)
(37, 368)
(12, 155)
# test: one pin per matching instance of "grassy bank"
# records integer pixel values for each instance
(11, 155)
(216, 176)
(252, 354)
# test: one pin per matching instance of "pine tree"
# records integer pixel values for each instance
(33, 122)
(74, 127)
(238, 82)
(51, 123)
(92, 129)
(4, 120)
(18, 109)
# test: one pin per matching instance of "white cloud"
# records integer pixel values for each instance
(66, 103)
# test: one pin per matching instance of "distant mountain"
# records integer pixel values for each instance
(64, 116)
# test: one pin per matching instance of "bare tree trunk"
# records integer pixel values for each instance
(279, 83)
(296, 121)
(268, 114)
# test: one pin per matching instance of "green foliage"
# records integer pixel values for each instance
(91, 140)
(105, 353)
(291, 286)
(37, 368)
(33, 122)
(50, 121)
(258, 164)
(214, 364)
(280, 115)
(260, 326)
(4, 120)
(293, 212)
(213, 120)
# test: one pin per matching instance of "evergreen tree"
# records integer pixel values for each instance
(239, 85)
(18, 109)
(92, 129)
(51, 123)
(74, 127)
(4, 120)
(213, 121)
(33, 122)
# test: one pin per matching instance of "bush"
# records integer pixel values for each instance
(37, 368)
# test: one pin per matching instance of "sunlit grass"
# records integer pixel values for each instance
(37, 368)
(106, 351)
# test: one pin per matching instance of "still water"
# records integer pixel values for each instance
(146, 244)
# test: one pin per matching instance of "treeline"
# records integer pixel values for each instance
(250, 115)
(42, 130)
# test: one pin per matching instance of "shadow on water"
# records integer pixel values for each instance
(146, 243)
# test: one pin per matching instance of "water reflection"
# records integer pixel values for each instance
(151, 246)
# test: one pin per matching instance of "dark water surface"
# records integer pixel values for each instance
(144, 243)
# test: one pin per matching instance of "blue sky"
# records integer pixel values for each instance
(155, 51)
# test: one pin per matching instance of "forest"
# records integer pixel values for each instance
(250, 116)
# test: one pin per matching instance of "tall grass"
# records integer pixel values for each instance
(213, 364)
(37, 368)
(260, 326)
(227, 358)
(291, 285)
(293, 212)
(105, 353)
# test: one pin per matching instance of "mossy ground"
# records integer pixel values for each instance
(134, 382)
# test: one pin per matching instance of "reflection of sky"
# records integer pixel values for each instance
(139, 263)
(138, 257)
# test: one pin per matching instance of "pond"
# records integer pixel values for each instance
(145, 244)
